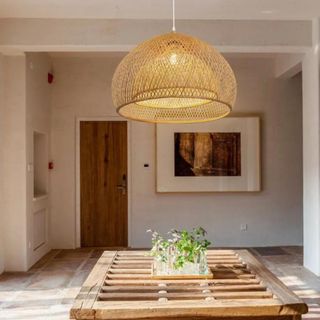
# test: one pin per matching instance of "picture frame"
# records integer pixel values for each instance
(217, 156)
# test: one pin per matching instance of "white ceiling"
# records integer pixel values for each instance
(161, 9)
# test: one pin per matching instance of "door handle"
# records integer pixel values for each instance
(122, 188)
(123, 185)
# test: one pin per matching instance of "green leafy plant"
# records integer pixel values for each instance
(159, 246)
(184, 246)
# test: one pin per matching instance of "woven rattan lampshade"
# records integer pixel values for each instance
(174, 78)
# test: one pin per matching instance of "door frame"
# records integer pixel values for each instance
(129, 178)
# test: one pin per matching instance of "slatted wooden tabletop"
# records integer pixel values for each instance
(120, 287)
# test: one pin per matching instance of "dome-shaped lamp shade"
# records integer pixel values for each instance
(174, 78)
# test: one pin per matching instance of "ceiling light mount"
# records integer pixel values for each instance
(173, 15)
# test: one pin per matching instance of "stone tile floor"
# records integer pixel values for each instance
(47, 290)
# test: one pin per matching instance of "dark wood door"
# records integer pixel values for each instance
(103, 183)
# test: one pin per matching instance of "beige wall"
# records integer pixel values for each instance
(13, 163)
(24, 107)
(38, 103)
(274, 216)
(1, 131)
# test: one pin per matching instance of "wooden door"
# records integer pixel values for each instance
(103, 183)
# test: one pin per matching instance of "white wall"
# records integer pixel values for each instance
(13, 163)
(38, 103)
(24, 107)
(274, 216)
(1, 131)
(311, 155)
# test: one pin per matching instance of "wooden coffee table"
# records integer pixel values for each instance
(120, 287)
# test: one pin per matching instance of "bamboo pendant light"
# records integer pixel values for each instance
(174, 78)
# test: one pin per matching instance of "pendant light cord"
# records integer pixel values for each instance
(173, 15)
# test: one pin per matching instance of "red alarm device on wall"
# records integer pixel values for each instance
(50, 77)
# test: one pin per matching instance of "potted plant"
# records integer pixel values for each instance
(183, 253)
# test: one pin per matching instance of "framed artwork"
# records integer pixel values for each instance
(218, 156)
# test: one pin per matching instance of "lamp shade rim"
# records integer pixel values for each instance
(171, 121)
(203, 113)
(166, 108)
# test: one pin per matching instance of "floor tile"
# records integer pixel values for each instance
(65, 264)
(96, 253)
(14, 280)
(51, 280)
(76, 253)
(44, 260)
(270, 251)
(36, 298)
(79, 278)
(89, 264)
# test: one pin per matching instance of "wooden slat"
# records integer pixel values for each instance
(213, 252)
(134, 257)
(227, 265)
(127, 260)
(183, 295)
(133, 261)
(179, 282)
(218, 273)
(174, 288)
(125, 277)
(200, 308)
(131, 266)
(129, 271)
